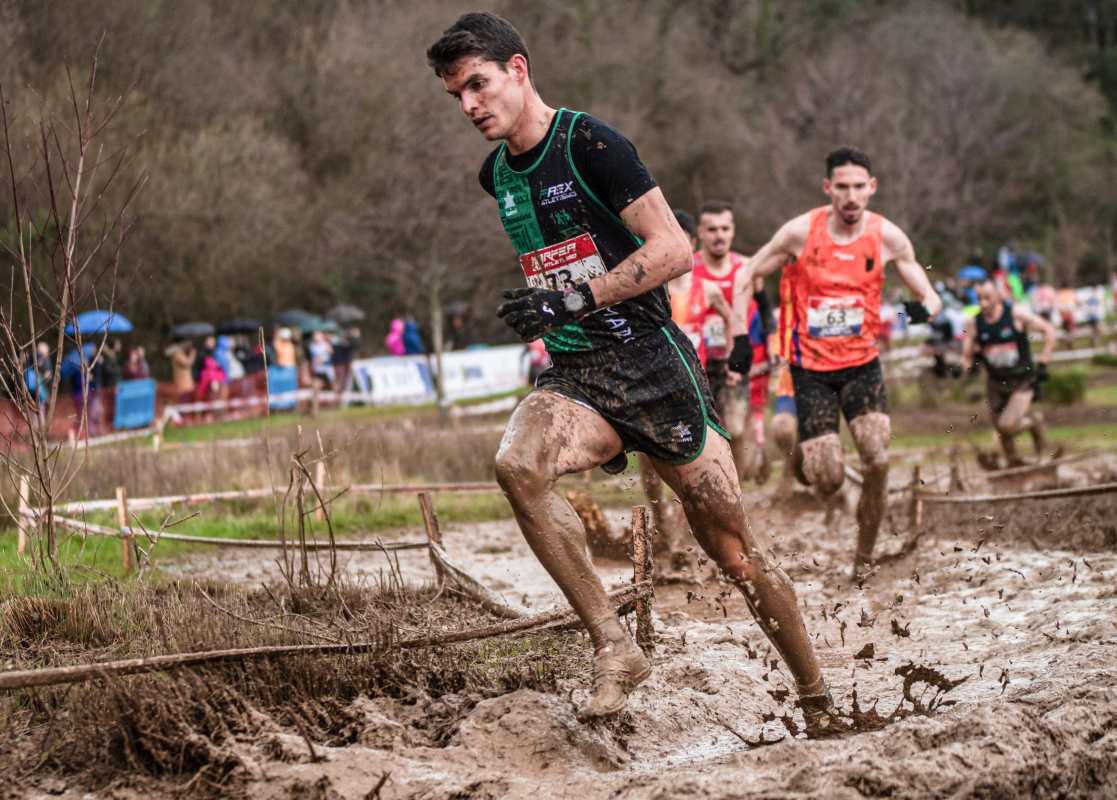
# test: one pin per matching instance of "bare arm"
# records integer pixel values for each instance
(665, 253)
(898, 248)
(769, 259)
(1033, 323)
(735, 322)
(968, 339)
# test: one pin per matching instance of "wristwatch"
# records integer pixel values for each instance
(579, 299)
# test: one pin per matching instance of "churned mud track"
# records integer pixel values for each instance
(1018, 601)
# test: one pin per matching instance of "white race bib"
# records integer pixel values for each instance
(1004, 355)
(564, 265)
(832, 317)
(713, 331)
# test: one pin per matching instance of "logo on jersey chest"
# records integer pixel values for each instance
(510, 209)
(841, 256)
(557, 193)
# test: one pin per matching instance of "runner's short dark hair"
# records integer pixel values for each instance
(686, 222)
(478, 33)
(714, 207)
(847, 155)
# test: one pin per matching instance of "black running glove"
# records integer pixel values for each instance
(1041, 372)
(916, 312)
(740, 357)
(533, 312)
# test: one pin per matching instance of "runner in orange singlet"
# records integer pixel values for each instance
(835, 258)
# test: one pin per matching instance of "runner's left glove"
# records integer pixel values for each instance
(917, 313)
(532, 312)
(740, 357)
(1041, 372)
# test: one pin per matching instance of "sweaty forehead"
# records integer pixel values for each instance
(716, 220)
(850, 173)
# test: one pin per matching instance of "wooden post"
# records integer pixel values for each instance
(434, 532)
(642, 571)
(125, 528)
(956, 484)
(319, 484)
(23, 521)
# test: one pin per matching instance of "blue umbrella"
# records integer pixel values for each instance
(972, 272)
(93, 322)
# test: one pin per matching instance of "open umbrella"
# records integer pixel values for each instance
(191, 330)
(94, 322)
(314, 324)
(345, 313)
(233, 327)
(292, 318)
(972, 272)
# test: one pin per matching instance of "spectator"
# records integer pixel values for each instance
(284, 345)
(38, 375)
(1066, 302)
(182, 369)
(135, 366)
(210, 376)
(412, 339)
(345, 346)
(394, 340)
(320, 353)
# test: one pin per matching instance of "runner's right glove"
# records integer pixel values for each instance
(917, 313)
(740, 357)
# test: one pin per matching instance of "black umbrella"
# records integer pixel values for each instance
(293, 318)
(191, 330)
(345, 313)
(235, 327)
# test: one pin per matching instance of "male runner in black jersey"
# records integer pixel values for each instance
(597, 242)
(999, 337)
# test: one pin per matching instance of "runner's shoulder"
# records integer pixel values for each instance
(485, 176)
(609, 162)
(792, 235)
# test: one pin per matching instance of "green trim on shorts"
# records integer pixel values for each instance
(706, 421)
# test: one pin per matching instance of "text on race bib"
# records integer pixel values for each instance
(713, 331)
(831, 317)
(1004, 355)
(563, 265)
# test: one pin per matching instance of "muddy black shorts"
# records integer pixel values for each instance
(652, 391)
(1000, 390)
(820, 396)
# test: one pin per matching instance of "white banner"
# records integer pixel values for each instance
(469, 374)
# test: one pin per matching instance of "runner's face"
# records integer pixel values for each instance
(491, 95)
(849, 188)
(716, 232)
(988, 298)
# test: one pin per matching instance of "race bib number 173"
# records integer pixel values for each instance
(564, 265)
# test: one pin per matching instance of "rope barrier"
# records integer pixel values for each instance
(1080, 491)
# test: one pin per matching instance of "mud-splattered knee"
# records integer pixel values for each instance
(519, 471)
(785, 429)
(871, 433)
(823, 463)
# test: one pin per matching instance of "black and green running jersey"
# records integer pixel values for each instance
(560, 204)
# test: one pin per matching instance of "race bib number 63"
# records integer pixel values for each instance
(831, 317)
(563, 265)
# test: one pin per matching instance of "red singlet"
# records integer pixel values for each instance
(713, 325)
(688, 310)
(834, 295)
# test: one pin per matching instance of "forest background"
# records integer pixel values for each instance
(303, 154)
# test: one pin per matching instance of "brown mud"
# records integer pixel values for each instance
(1017, 602)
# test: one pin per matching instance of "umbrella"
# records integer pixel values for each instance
(91, 322)
(233, 327)
(313, 324)
(292, 318)
(345, 314)
(191, 330)
(972, 272)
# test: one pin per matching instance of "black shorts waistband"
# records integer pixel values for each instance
(604, 356)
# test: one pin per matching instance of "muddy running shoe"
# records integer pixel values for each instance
(617, 670)
(617, 464)
(820, 715)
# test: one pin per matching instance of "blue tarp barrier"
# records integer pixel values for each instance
(283, 382)
(135, 404)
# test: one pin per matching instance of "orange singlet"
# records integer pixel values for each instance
(713, 324)
(833, 318)
(688, 310)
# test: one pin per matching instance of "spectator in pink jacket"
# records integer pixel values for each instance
(394, 340)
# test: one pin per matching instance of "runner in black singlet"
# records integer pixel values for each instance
(597, 241)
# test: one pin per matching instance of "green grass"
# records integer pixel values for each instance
(1102, 395)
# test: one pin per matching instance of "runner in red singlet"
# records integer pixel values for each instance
(833, 259)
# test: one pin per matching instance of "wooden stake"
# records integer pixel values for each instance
(125, 528)
(320, 484)
(641, 572)
(434, 533)
(24, 520)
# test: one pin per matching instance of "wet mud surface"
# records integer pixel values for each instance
(1019, 603)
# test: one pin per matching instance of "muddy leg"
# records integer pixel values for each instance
(823, 463)
(711, 496)
(1013, 421)
(665, 524)
(763, 469)
(549, 436)
(871, 433)
(785, 435)
(731, 408)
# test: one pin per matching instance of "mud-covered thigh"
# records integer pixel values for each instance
(821, 396)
